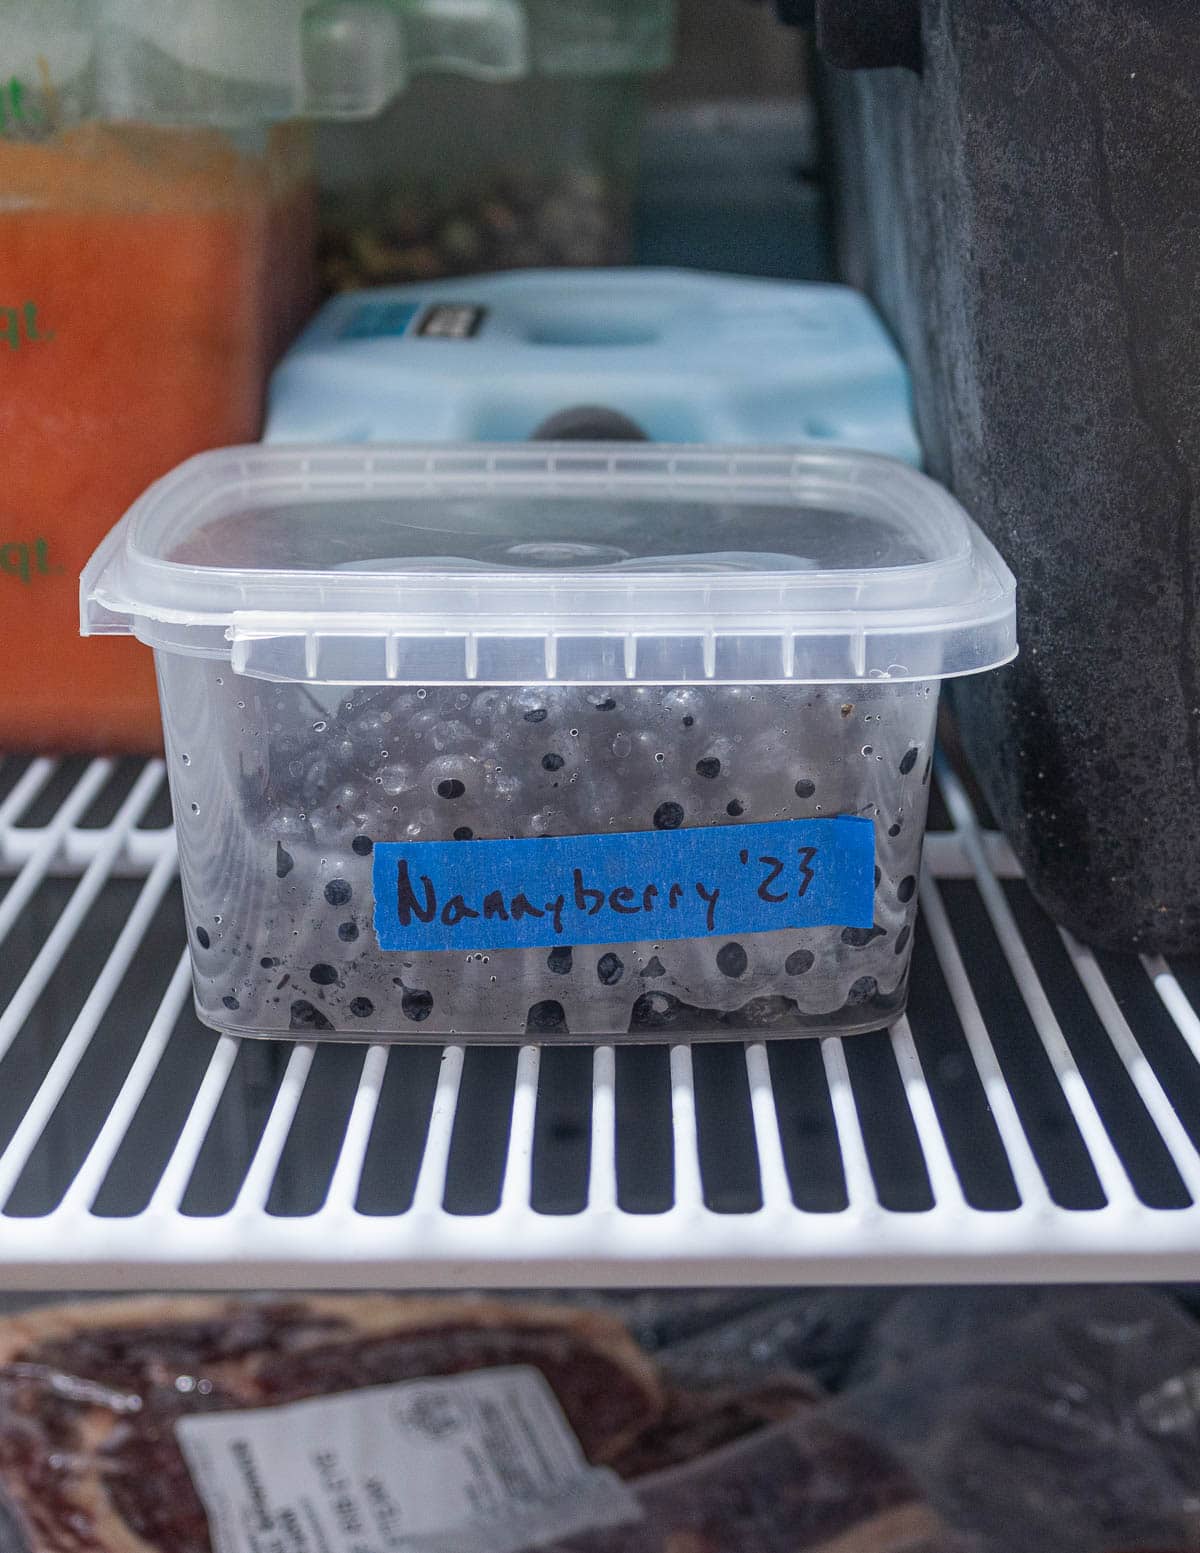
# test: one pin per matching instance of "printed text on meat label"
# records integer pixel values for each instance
(610, 889)
(477, 1463)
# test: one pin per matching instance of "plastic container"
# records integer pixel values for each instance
(665, 355)
(498, 742)
(1023, 210)
(157, 251)
(524, 156)
(150, 277)
(732, 185)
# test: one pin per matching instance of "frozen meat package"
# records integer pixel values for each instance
(592, 742)
(424, 1424)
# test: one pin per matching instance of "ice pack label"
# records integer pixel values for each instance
(705, 882)
(451, 321)
(378, 320)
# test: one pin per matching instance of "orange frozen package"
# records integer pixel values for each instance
(148, 280)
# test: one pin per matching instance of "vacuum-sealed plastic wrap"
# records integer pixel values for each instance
(816, 1333)
(1074, 1426)
(152, 1422)
(808, 1486)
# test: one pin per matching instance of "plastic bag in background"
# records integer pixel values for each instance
(659, 1319)
(912, 1323)
(809, 1486)
(817, 1333)
(708, 1406)
(1074, 1427)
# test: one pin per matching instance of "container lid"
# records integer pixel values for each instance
(243, 62)
(677, 355)
(553, 562)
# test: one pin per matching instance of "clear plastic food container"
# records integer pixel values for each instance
(597, 355)
(517, 149)
(157, 252)
(488, 743)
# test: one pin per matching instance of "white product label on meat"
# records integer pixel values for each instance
(478, 1463)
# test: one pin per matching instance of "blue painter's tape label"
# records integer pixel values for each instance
(707, 882)
(377, 320)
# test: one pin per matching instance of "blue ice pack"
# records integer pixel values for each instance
(597, 355)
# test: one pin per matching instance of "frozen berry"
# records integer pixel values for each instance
(202, 937)
(451, 788)
(902, 938)
(894, 830)
(668, 816)
(464, 833)
(610, 968)
(546, 1018)
(268, 962)
(908, 762)
(688, 721)
(306, 1017)
(735, 807)
(907, 888)
(552, 762)
(347, 932)
(860, 937)
(799, 961)
(652, 1011)
(804, 788)
(709, 767)
(862, 991)
(323, 975)
(654, 967)
(361, 846)
(537, 715)
(284, 861)
(731, 960)
(338, 892)
(416, 1005)
(361, 1008)
(559, 960)
(230, 1001)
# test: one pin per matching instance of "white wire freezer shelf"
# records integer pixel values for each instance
(1036, 1116)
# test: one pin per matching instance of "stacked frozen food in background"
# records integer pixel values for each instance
(942, 1422)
